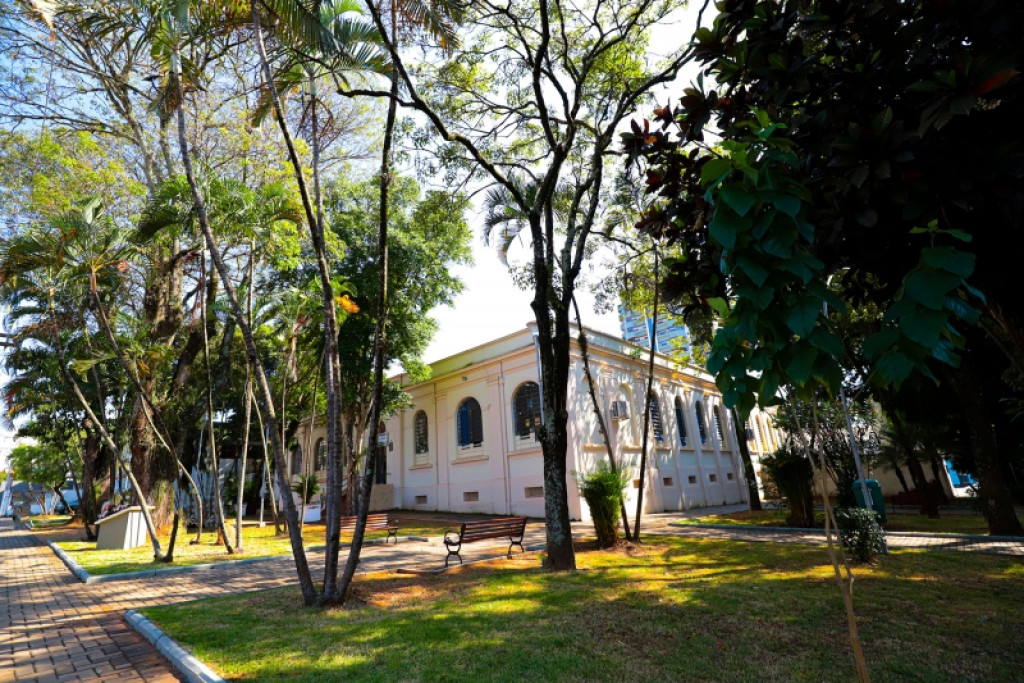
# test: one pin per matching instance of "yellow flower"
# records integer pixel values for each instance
(345, 301)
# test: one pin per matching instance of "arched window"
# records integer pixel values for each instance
(526, 409)
(771, 442)
(702, 427)
(470, 426)
(656, 426)
(755, 433)
(320, 463)
(420, 434)
(297, 461)
(716, 415)
(680, 421)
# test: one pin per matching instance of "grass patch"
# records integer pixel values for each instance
(257, 542)
(959, 523)
(674, 609)
(48, 521)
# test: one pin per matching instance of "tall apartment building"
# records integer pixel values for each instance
(638, 328)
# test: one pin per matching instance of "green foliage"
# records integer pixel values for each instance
(41, 464)
(602, 489)
(860, 533)
(877, 141)
(793, 474)
(306, 487)
(428, 237)
(833, 438)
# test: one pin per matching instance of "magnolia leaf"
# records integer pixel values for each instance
(737, 197)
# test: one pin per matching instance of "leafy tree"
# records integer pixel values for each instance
(873, 140)
(530, 104)
(824, 420)
(42, 464)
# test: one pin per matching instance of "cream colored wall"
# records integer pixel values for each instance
(500, 471)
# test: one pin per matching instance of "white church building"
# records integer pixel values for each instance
(466, 444)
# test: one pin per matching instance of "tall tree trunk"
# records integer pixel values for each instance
(267, 477)
(248, 407)
(218, 501)
(902, 479)
(380, 332)
(84, 403)
(144, 404)
(648, 395)
(90, 456)
(314, 218)
(997, 504)
(591, 386)
(748, 464)
(298, 550)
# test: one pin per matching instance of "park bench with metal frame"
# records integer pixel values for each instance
(376, 522)
(511, 528)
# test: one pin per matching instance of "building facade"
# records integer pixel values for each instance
(467, 442)
(638, 328)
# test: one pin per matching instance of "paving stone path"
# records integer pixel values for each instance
(54, 628)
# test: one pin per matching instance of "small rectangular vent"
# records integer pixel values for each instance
(667, 481)
(728, 475)
(470, 496)
(534, 491)
(421, 500)
(712, 477)
(692, 479)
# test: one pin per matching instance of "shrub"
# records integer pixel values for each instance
(793, 474)
(602, 489)
(306, 487)
(860, 533)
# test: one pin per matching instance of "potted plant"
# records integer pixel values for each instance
(305, 488)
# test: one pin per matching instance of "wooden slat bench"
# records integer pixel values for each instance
(511, 528)
(373, 523)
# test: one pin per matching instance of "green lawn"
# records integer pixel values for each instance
(257, 542)
(677, 609)
(950, 523)
(49, 521)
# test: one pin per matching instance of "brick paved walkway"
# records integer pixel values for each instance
(53, 628)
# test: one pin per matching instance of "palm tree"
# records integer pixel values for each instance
(52, 273)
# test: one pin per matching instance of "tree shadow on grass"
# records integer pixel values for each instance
(691, 611)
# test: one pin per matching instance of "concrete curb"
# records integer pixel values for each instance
(70, 563)
(820, 530)
(186, 663)
(85, 577)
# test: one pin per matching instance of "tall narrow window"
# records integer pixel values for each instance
(716, 415)
(470, 426)
(680, 421)
(297, 461)
(320, 463)
(526, 409)
(656, 426)
(380, 466)
(702, 428)
(420, 433)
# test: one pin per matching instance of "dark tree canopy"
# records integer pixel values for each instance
(875, 144)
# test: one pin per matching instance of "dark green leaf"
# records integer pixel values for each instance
(949, 259)
(802, 316)
(737, 197)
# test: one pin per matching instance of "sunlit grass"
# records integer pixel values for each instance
(959, 523)
(48, 521)
(673, 609)
(257, 542)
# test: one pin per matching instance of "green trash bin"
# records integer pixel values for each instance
(875, 491)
